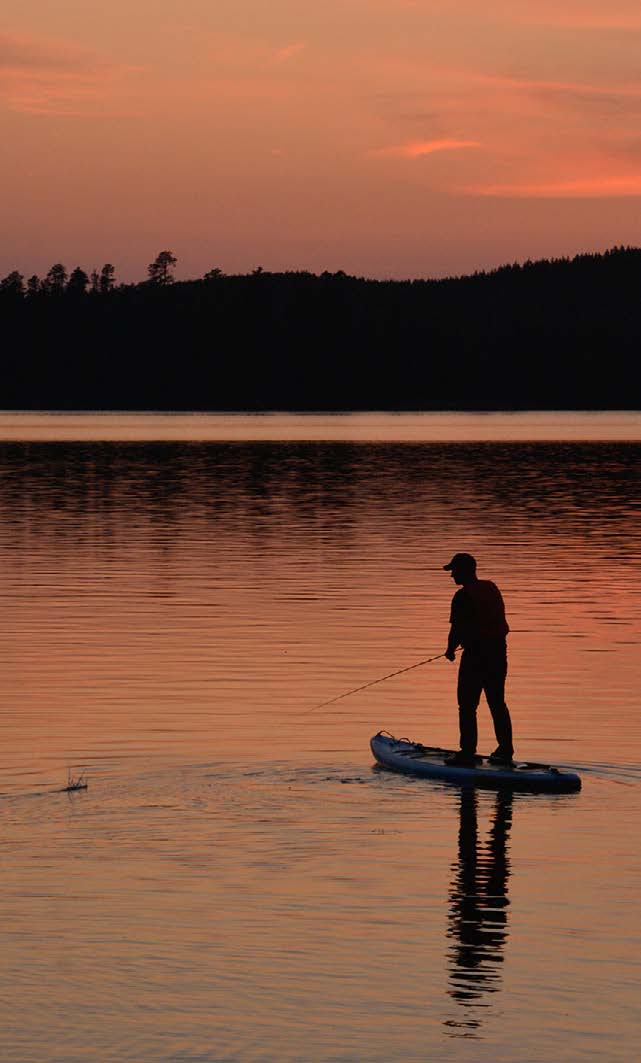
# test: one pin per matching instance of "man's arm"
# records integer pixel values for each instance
(453, 643)
(455, 637)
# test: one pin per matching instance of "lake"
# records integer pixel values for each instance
(237, 882)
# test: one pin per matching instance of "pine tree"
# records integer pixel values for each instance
(56, 280)
(159, 271)
(107, 278)
(13, 284)
(78, 282)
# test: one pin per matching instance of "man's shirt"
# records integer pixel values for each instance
(478, 615)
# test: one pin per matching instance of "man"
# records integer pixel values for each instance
(478, 624)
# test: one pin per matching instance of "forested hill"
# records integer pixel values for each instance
(548, 334)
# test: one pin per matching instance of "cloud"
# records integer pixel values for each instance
(599, 98)
(29, 52)
(20, 51)
(48, 76)
(577, 188)
(569, 14)
(581, 14)
(580, 88)
(544, 134)
(247, 54)
(289, 50)
(416, 149)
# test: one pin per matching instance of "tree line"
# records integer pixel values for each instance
(57, 281)
(560, 333)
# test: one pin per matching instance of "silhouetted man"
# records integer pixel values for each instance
(478, 624)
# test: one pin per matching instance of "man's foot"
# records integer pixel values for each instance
(501, 756)
(461, 760)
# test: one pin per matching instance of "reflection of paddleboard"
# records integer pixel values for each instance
(413, 758)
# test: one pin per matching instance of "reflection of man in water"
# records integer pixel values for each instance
(478, 905)
(478, 624)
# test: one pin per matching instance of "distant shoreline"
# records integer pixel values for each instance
(536, 426)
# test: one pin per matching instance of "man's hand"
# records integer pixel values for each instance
(450, 654)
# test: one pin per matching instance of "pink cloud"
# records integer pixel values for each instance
(289, 50)
(582, 14)
(577, 188)
(416, 149)
(49, 76)
(626, 89)
(21, 51)
(570, 14)
(244, 53)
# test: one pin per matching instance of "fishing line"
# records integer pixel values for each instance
(375, 681)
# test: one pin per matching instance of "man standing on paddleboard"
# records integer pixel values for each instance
(478, 624)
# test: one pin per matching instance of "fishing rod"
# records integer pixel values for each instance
(375, 681)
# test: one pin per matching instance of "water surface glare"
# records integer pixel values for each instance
(238, 882)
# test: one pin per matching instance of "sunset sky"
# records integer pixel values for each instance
(388, 138)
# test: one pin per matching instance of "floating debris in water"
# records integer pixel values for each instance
(79, 783)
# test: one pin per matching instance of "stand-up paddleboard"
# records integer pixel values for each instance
(413, 758)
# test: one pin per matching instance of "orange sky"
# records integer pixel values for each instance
(384, 137)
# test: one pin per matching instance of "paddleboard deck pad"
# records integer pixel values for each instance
(413, 758)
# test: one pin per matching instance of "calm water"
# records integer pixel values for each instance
(237, 883)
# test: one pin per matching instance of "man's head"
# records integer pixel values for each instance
(462, 567)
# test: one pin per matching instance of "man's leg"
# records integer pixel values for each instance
(470, 685)
(494, 687)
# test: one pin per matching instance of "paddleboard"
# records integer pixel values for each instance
(413, 758)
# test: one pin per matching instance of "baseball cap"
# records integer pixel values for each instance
(461, 561)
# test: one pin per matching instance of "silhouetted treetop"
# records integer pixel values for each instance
(160, 270)
(13, 284)
(56, 279)
(78, 281)
(107, 279)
